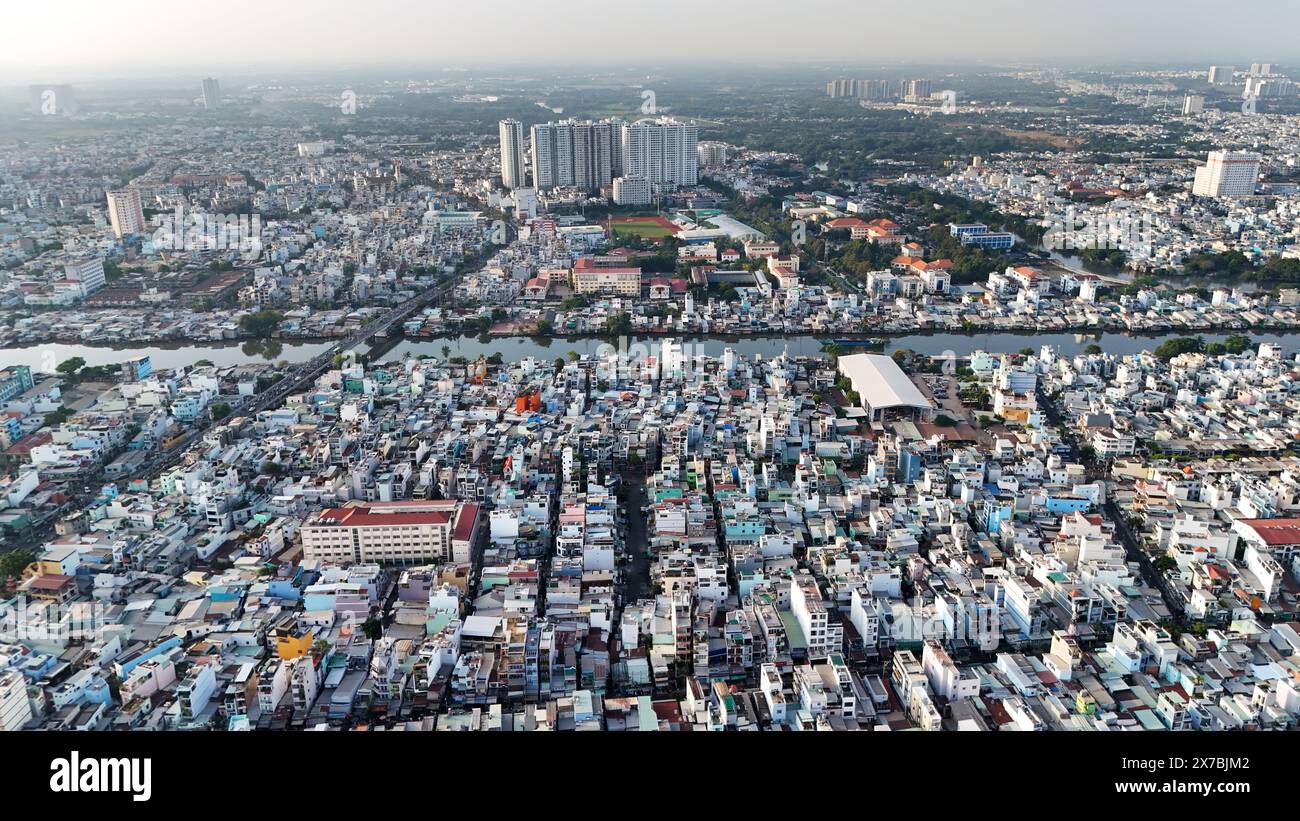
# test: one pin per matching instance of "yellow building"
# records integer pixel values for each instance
(290, 644)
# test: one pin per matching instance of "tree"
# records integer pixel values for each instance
(1092, 349)
(1178, 346)
(446, 351)
(545, 327)
(620, 324)
(69, 367)
(1237, 343)
(58, 417)
(13, 563)
(260, 324)
(218, 411)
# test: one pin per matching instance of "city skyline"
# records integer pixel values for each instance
(69, 37)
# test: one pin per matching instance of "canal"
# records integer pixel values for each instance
(46, 357)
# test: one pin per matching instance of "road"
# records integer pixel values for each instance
(636, 573)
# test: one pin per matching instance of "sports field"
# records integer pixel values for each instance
(651, 227)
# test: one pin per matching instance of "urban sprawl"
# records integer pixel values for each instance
(686, 524)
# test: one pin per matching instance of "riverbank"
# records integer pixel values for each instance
(933, 343)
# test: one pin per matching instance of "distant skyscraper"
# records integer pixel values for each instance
(1221, 75)
(1261, 69)
(875, 90)
(712, 154)
(1267, 87)
(664, 152)
(1227, 174)
(916, 90)
(512, 153)
(211, 92)
(843, 87)
(576, 154)
(125, 212)
(862, 89)
(1193, 104)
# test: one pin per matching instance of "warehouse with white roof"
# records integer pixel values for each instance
(884, 389)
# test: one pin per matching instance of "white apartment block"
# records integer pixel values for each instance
(663, 151)
(1227, 174)
(823, 635)
(512, 153)
(631, 191)
(574, 154)
(85, 277)
(125, 212)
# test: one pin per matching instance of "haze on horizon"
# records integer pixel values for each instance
(72, 40)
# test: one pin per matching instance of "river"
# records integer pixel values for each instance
(45, 357)
(169, 355)
(513, 348)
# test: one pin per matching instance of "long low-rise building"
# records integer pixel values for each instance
(883, 387)
(392, 532)
(590, 277)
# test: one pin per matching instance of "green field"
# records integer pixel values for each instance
(648, 228)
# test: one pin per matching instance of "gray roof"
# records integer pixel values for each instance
(880, 382)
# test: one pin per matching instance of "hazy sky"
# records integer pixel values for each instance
(67, 40)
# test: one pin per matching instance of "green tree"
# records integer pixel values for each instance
(1178, 346)
(13, 563)
(260, 324)
(69, 367)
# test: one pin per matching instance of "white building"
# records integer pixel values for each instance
(85, 277)
(1221, 75)
(631, 191)
(1227, 174)
(211, 92)
(512, 153)
(125, 212)
(575, 154)
(883, 387)
(712, 154)
(405, 532)
(664, 151)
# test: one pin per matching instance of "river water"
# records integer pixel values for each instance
(45, 357)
